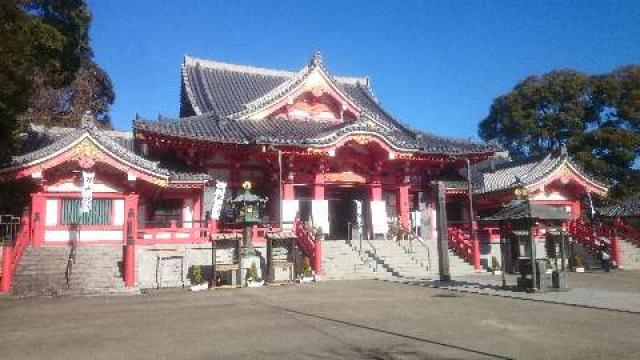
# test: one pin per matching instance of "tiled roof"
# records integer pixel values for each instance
(627, 208)
(500, 173)
(45, 142)
(519, 210)
(219, 93)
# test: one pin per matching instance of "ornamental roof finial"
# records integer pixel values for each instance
(316, 59)
(87, 120)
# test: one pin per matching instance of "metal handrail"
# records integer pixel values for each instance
(375, 252)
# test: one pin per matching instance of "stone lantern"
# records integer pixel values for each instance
(248, 211)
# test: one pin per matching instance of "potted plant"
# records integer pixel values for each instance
(197, 282)
(495, 266)
(306, 275)
(252, 276)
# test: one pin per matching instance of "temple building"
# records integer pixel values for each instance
(320, 148)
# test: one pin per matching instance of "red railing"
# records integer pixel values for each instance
(12, 252)
(197, 233)
(589, 235)
(309, 245)
(627, 231)
(460, 241)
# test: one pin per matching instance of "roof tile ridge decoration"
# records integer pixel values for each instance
(289, 85)
(188, 88)
(114, 147)
(587, 174)
(257, 70)
(274, 94)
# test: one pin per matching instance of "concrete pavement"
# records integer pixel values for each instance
(330, 320)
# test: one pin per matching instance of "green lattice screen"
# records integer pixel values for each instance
(100, 213)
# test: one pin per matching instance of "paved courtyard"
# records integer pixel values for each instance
(330, 320)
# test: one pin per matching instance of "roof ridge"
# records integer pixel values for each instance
(257, 70)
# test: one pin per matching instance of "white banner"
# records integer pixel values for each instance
(379, 217)
(218, 199)
(87, 191)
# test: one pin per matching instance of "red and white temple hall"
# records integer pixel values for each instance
(321, 150)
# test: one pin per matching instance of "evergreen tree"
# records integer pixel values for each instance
(44, 43)
(596, 117)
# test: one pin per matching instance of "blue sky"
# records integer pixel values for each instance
(436, 65)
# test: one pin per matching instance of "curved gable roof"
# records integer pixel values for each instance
(500, 174)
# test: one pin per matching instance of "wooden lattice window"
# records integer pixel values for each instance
(100, 214)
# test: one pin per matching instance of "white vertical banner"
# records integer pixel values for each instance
(87, 191)
(379, 217)
(218, 199)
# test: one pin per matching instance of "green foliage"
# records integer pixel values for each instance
(44, 43)
(253, 272)
(196, 275)
(597, 118)
(305, 269)
(495, 264)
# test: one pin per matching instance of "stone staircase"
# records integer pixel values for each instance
(397, 260)
(385, 259)
(630, 255)
(342, 262)
(457, 266)
(96, 270)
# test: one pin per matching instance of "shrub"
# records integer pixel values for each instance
(305, 270)
(253, 272)
(196, 275)
(495, 265)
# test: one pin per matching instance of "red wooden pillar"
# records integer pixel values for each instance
(616, 255)
(318, 194)
(7, 255)
(131, 233)
(287, 190)
(575, 210)
(403, 205)
(375, 190)
(318, 187)
(38, 216)
(317, 259)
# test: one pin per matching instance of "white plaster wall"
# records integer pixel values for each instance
(73, 187)
(85, 235)
(187, 213)
(118, 212)
(51, 212)
(320, 213)
(549, 196)
(289, 211)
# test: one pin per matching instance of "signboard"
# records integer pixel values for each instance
(87, 191)
(218, 199)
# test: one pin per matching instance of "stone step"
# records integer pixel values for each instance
(42, 270)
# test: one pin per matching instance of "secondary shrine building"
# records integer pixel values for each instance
(320, 147)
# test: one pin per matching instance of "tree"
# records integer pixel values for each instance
(90, 91)
(43, 43)
(596, 117)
